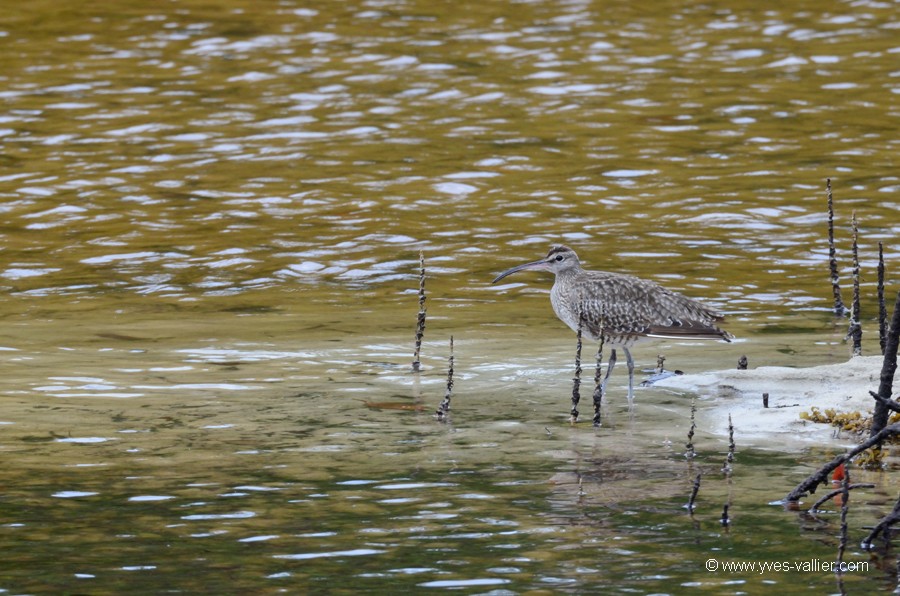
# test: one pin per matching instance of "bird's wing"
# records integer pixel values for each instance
(623, 307)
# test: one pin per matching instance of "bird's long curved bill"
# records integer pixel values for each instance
(534, 265)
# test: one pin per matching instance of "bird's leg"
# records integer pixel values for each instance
(609, 367)
(630, 363)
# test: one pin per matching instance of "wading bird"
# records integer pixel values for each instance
(620, 309)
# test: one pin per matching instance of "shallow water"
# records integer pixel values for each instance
(211, 220)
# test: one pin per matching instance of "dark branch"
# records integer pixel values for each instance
(815, 506)
(888, 520)
(888, 403)
(888, 368)
(821, 475)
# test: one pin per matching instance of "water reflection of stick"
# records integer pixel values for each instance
(576, 382)
(445, 403)
(832, 494)
(690, 442)
(729, 459)
(839, 308)
(691, 502)
(845, 505)
(420, 322)
(883, 524)
(855, 330)
(727, 468)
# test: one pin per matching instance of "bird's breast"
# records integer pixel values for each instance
(565, 307)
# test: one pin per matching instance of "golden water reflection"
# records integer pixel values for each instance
(211, 218)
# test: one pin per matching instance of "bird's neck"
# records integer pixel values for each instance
(568, 274)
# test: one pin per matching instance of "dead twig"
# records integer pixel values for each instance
(420, 320)
(598, 382)
(445, 403)
(821, 475)
(576, 382)
(854, 332)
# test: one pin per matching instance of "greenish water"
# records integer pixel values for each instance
(211, 217)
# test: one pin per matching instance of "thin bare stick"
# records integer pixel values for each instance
(854, 332)
(839, 308)
(576, 382)
(420, 321)
(598, 382)
(445, 403)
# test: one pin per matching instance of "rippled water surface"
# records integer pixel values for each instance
(211, 217)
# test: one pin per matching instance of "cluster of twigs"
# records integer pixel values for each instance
(854, 331)
(889, 338)
(880, 432)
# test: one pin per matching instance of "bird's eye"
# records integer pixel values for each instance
(559, 258)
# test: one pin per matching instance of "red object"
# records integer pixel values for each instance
(838, 474)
